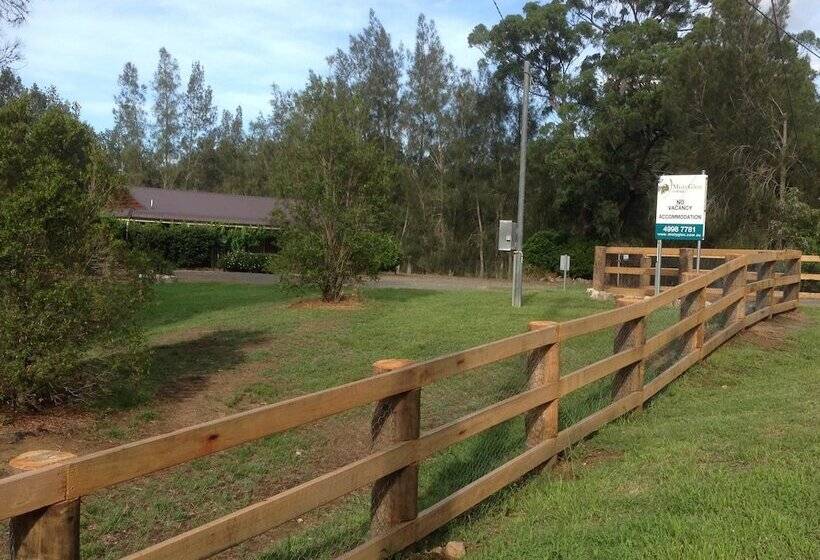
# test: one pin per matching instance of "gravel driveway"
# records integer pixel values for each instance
(389, 280)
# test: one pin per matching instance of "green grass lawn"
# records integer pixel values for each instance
(264, 349)
(724, 464)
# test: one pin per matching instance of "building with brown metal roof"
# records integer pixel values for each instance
(149, 204)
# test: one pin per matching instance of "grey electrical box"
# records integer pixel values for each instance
(564, 264)
(505, 235)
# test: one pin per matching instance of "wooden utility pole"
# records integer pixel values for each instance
(518, 254)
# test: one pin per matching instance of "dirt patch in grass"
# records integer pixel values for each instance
(773, 332)
(180, 336)
(189, 396)
(20, 433)
(566, 468)
(347, 303)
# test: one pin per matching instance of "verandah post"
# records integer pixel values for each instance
(543, 368)
(49, 533)
(628, 380)
(394, 498)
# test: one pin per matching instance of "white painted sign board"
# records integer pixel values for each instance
(681, 210)
(564, 264)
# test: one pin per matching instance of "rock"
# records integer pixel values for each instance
(454, 550)
(598, 294)
(165, 278)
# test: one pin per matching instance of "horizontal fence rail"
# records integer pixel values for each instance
(39, 497)
(629, 271)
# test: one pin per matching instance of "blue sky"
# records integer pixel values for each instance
(244, 45)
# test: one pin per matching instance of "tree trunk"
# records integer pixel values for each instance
(784, 144)
(480, 239)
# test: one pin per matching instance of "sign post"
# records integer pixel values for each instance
(680, 214)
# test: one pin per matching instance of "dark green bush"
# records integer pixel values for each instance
(242, 261)
(195, 246)
(383, 248)
(582, 257)
(304, 258)
(69, 290)
(543, 250)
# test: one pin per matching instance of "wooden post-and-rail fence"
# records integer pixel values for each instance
(629, 271)
(44, 503)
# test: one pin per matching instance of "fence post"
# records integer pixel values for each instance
(684, 263)
(689, 305)
(628, 380)
(52, 532)
(792, 291)
(764, 297)
(543, 367)
(646, 277)
(599, 269)
(731, 282)
(394, 498)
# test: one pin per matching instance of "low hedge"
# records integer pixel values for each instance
(196, 246)
(243, 261)
(543, 251)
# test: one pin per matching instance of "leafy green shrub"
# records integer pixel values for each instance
(337, 210)
(69, 290)
(194, 246)
(582, 257)
(242, 261)
(191, 246)
(253, 240)
(304, 257)
(543, 250)
(386, 253)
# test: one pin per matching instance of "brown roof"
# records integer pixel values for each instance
(148, 203)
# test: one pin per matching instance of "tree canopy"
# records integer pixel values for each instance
(69, 291)
(624, 91)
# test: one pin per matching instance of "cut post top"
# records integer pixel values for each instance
(33, 460)
(537, 325)
(389, 364)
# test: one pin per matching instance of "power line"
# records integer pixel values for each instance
(497, 9)
(777, 26)
(785, 77)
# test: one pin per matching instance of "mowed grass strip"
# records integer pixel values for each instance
(723, 464)
(263, 348)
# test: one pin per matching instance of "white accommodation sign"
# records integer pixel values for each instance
(681, 209)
